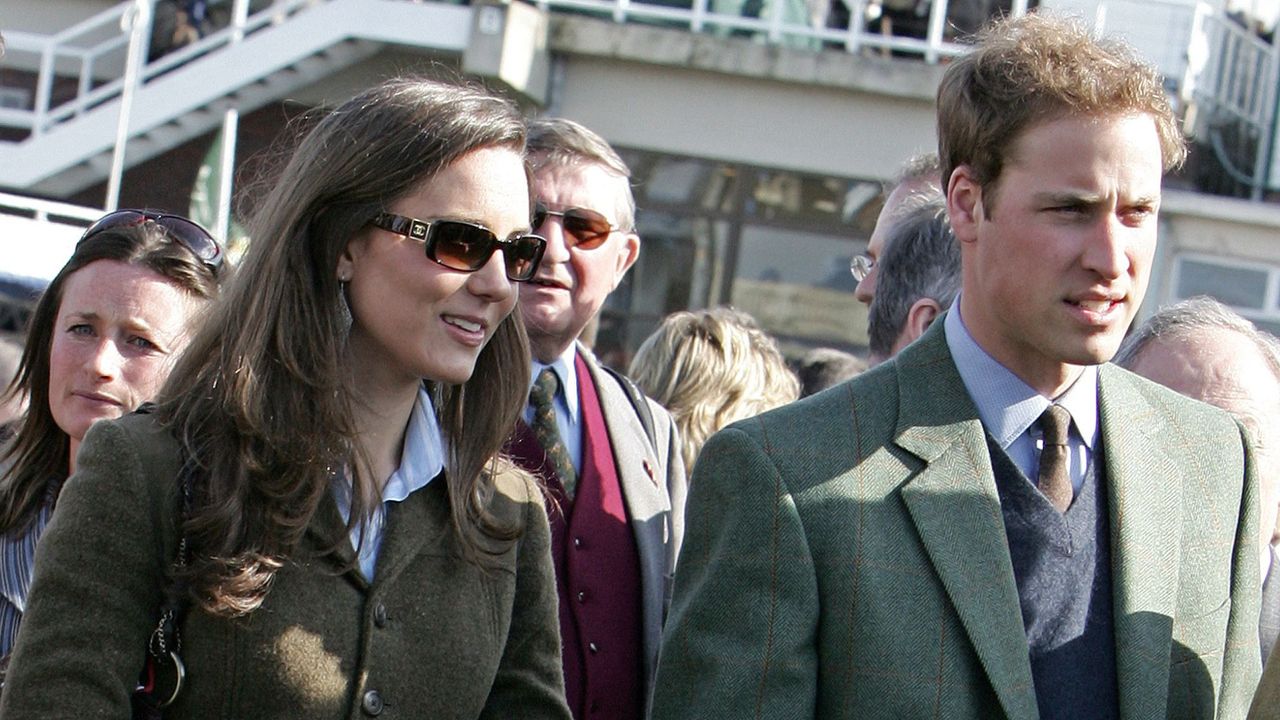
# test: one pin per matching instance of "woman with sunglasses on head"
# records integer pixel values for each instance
(101, 341)
(354, 542)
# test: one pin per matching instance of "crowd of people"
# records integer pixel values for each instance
(373, 469)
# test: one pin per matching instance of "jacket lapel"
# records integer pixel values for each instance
(326, 527)
(632, 455)
(413, 524)
(955, 506)
(1145, 498)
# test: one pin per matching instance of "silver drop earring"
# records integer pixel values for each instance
(344, 308)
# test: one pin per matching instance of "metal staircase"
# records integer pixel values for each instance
(184, 94)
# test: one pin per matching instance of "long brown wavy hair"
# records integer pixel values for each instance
(263, 399)
(40, 452)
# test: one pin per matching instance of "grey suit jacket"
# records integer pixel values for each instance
(846, 558)
(654, 486)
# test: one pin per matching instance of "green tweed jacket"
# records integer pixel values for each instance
(432, 637)
(845, 557)
(1266, 703)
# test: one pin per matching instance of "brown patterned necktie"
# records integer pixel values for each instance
(542, 397)
(1054, 480)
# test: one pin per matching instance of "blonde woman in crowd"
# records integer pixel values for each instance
(710, 368)
(350, 543)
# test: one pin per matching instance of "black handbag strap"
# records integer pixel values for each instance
(164, 647)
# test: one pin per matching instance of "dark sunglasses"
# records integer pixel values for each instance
(179, 229)
(466, 246)
(586, 229)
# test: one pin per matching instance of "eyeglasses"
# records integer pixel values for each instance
(861, 266)
(586, 229)
(466, 246)
(185, 232)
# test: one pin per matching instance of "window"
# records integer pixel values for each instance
(774, 243)
(1251, 289)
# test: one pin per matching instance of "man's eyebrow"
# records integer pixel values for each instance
(1067, 197)
(1071, 197)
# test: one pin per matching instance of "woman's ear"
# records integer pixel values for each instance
(348, 258)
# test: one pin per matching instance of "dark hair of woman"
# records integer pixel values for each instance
(263, 400)
(39, 450)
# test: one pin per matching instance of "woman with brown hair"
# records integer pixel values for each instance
(350, 548)
(101, 341)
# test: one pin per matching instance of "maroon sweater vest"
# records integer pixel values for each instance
(597, 571)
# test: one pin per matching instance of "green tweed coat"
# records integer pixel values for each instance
(1266, 703)
(432, 637)
(845, 557)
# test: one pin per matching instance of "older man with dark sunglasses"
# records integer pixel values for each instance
(609, 456)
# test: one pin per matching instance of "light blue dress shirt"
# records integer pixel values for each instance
(568, 413)
(1009, 408)
(421, 460)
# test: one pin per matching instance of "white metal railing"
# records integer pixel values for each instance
(1214, 64)
(92, 55)
(37, 236)
(1231, 84)
(796, 23)
(47, 210)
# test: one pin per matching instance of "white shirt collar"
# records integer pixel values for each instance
(1006, 404)
(421, 460)
(424, 451)
(566, 370)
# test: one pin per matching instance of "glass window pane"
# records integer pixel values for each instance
(679, 257)
(1235, 286)
(798, 286)
(668, 180)
(778, 195)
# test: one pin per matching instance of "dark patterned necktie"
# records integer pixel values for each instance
(542, 397)
(1054, 480)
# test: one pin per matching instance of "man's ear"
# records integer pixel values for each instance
(964, 203)
(921, 315)
(627, 256)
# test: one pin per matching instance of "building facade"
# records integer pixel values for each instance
(759, 132)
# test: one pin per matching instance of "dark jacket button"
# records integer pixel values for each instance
(380, 615)
(593, 648)
(372, 703)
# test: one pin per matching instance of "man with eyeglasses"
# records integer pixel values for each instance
(919, 276)
(916, 182)
(997, 524)
(609, 456)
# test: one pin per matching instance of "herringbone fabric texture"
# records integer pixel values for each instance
(542, 397)
(1053, 479)
(845, 557)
